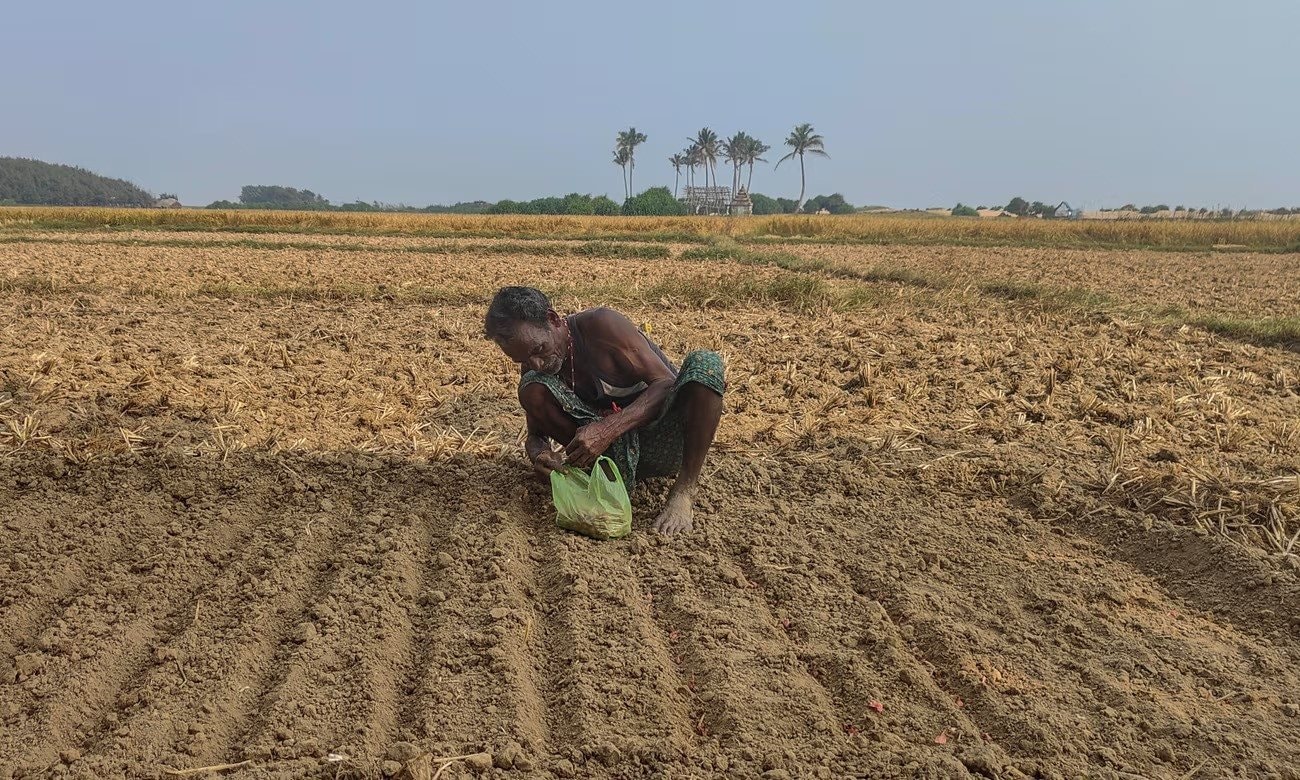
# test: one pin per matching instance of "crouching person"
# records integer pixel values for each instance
(595, 384)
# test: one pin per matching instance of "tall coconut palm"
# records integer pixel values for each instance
(754, 151)
(621, 158)
(677, 161)
(707, 141)
(733, 151)
(629, 140)
(693, 159)
(803, 140)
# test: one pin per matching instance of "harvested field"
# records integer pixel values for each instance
(265, 506)
(1238, 284)
(895, 228)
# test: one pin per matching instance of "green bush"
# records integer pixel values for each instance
(577, 204)
(962, 210)
(605, 207)
(279, 197)
(654, 202)
(546, 206)
(765, 205)
(835, 204)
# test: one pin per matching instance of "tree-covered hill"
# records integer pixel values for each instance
(36, 183)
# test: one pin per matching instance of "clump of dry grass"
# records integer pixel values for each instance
(1255, 511)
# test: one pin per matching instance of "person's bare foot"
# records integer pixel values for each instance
(677, 516)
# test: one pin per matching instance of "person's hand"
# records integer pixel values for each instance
(546, 462)
(589, 443)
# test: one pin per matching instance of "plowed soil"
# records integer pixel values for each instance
(284, 528)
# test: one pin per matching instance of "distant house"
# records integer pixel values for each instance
(1064, 210)
(167, 203)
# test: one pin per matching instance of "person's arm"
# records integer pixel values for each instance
(538, 444)
(635, 359)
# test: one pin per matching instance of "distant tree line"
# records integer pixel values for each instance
(263, 196)
(34, 183)
(1221, 213)
(835, 204)
(1021, 207)
(573, 203)
(656, 201)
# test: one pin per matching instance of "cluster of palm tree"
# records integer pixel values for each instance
(624, 155)
(741, 150)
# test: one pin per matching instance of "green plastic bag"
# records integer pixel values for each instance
(595, 504)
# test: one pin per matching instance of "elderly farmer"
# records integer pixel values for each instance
(593, 382)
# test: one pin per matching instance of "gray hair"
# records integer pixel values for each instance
(512, 306)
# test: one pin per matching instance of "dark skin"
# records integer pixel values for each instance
(619, 351)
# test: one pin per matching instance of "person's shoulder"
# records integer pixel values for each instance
(603, 316)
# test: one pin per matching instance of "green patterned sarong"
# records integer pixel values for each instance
(654, 450)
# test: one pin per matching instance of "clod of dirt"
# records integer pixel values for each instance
(305, 632)
(70, 756)
(982, 762)
(390, 768)
(508, 757)
(445, 561)
(164, 654)
(404, 751)
(479, 762)
(309, 747)
(564, 768)
(26, 665)
(1291, 710)
(776, 774)
(608, 754)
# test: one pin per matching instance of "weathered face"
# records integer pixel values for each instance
(541, 348)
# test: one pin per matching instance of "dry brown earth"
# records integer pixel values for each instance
(257, 509)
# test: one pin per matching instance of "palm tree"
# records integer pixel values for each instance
(677, 161)
(693, 159)
(733, 150)
(621, 158)
(707, 141)
(803, 141)
(754, 151)
(629, 140)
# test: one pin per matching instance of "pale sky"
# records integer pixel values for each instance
(921, 104)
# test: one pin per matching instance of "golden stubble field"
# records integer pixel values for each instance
(263, 504)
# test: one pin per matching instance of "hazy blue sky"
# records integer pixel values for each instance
(921, 104)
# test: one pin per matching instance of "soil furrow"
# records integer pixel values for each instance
(101, 642)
